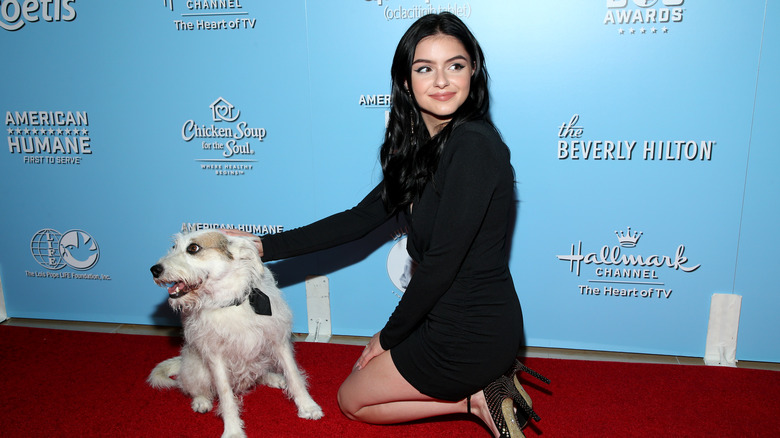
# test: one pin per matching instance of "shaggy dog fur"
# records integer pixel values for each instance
(230, 343)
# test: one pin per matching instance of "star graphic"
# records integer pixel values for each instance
(26, 131)
(621, 31)
(653, 29)
(67, 131)
(632, 30)
(84, 131)
(10, 131)
(643, 30)
(51, 131)
(35, 131)
(665, 29)
(59, 131)
(18, 131)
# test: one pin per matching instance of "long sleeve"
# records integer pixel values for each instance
(334, 230)
(476, 164)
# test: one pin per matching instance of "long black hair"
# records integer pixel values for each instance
(409, 155)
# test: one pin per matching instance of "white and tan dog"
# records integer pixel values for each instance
(237, 327)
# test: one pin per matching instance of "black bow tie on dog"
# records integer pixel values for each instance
(259, 301)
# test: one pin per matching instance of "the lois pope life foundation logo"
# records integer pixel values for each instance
(74, 248)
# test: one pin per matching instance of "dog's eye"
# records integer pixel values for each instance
(193, 248)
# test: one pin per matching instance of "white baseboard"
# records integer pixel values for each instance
(3, 314)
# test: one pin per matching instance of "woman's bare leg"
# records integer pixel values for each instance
(378, 394)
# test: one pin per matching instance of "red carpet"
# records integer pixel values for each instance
(73, 384)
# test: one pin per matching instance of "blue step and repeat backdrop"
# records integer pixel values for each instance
(643, 135)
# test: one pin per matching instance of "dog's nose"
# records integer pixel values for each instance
(157, 270)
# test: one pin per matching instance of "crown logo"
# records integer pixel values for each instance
(628, 239)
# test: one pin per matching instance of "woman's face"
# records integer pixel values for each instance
(441, 79)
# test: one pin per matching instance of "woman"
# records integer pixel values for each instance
(450, 345)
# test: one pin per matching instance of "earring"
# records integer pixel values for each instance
(412, 138)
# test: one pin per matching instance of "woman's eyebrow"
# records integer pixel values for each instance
(428, 61)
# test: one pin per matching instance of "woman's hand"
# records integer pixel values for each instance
(238, 233)
(372, 350)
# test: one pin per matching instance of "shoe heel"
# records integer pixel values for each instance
(512, 424)
(517, 368)
(520, 367)
(501, 396)
(525, 410)
(522, 392)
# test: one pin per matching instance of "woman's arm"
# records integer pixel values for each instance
(326, 233)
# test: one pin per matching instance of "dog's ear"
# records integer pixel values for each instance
(244, 249)
(224, 246)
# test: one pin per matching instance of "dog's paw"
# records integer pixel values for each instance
(275, 380)
(201, 404)
(310, 411)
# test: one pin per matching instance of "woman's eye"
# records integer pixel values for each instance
(457, 67)
(423, 69)
(193, 248)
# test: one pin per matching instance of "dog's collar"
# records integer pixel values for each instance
(259, 301)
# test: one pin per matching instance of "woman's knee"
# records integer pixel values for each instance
(346, 403)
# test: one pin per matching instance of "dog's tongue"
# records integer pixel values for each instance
(176, 288)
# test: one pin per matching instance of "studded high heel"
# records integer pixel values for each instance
(518, 367)
(512, 374)
(501, 396)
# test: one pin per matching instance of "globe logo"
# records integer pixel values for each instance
(54, 250)
(45, 247)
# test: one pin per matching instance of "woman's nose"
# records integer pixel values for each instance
(441, 79)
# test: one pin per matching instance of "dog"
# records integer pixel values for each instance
(237, 327)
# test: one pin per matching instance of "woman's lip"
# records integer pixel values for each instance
(442, 96)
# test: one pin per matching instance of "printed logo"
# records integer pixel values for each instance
(399, 265)
(75, 249)
(573, 146)
(15, 14)
(232, 144)
(618, 272)
(54, 251)
(257, 230)
(628, 240)
(211, 15)
(48, 137)
(643, 16)
(462, 10)
(372, 101)
(222, 111)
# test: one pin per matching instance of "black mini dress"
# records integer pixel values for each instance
(458, 325)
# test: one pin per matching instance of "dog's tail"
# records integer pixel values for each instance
(162, 373)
